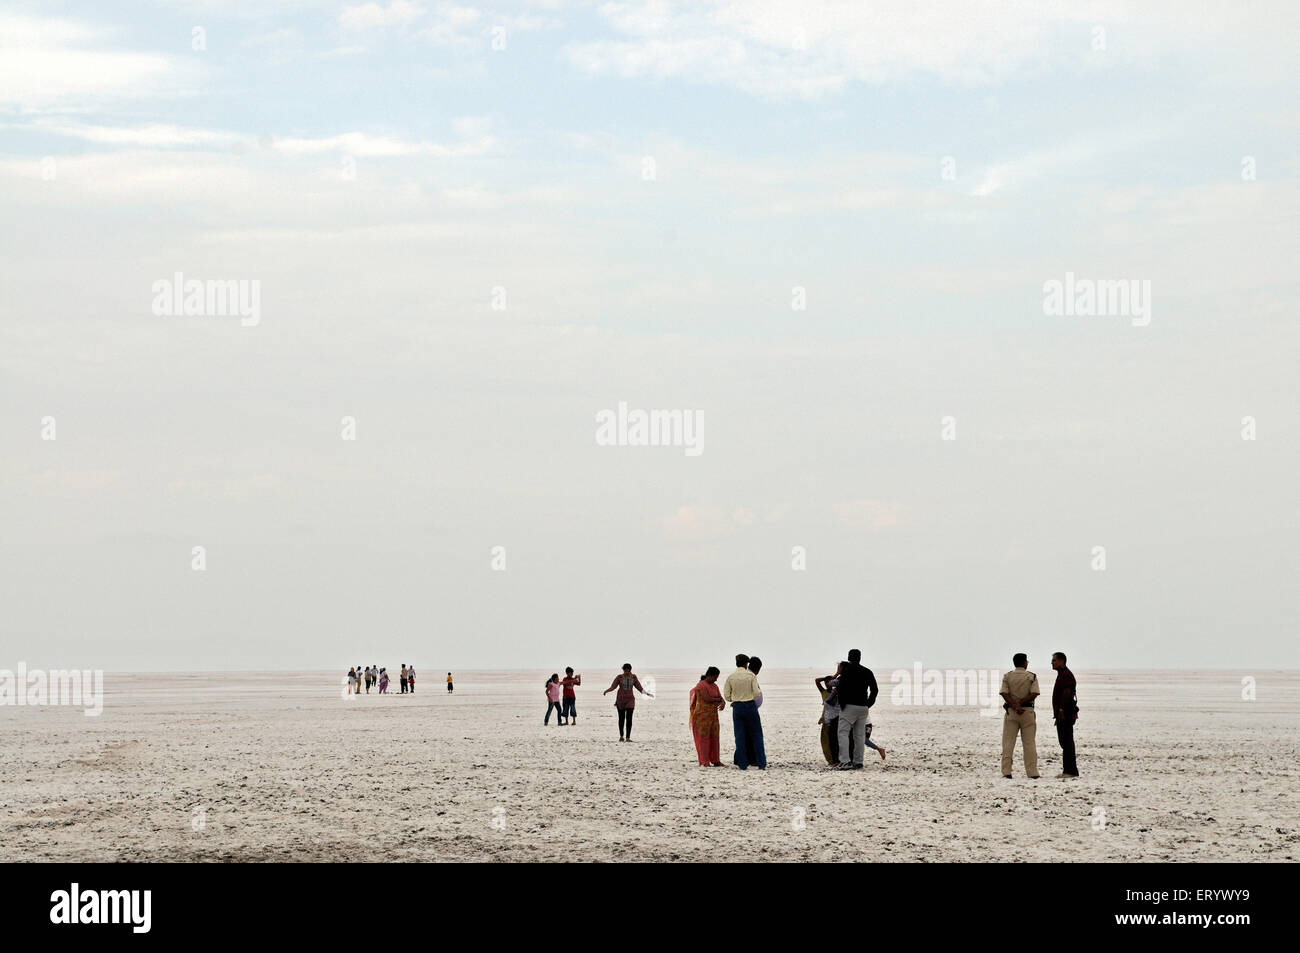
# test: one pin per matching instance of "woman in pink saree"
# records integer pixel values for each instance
(706, 702)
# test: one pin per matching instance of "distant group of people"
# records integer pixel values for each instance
(373, 675)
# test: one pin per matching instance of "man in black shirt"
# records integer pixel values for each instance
(1065, 708)
(857, 692)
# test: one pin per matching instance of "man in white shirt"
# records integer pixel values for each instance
(742, 691)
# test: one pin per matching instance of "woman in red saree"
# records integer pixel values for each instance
(706, 702)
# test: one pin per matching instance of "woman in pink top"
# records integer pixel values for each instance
(553, 699)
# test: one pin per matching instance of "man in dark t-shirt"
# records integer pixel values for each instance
(1065, 708)
(857, 691)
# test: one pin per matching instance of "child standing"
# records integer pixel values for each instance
(569, 713)
(552, 699)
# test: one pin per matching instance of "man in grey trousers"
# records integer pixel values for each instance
(857, 692)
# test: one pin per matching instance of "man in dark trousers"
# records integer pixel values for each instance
(857, 691)
(1065, 707)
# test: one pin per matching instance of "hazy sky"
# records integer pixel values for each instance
(475, 228)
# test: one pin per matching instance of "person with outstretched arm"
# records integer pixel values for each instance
(625, 700)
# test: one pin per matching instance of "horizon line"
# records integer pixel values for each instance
(770, 668)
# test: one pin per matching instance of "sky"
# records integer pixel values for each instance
(825, 230)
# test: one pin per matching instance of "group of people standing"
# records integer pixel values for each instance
(561, 688)
(742, 691)
(376, 675)
(563, 700)
(1019, 692)
(847, 698)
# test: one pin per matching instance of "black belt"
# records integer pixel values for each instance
(1026, 705)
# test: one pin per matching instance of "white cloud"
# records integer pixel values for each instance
(48, 63)
(369, 16)
(362, 145)
(806, 49)
(475, 132)
(454, 26)
(149, 136)
(1077, 154)
(460, 27)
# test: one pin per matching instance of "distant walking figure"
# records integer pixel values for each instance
(402, 677)
(705, 703)
(449, 685)
(410, 679)
(857, 691)
(1065, 709)
(553, 700)
(1019, 689)
(625, 700)
(383, 681)
(741, 689)
(352, 681)
(569, 713)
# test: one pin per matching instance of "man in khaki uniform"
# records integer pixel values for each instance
(1019, 689)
